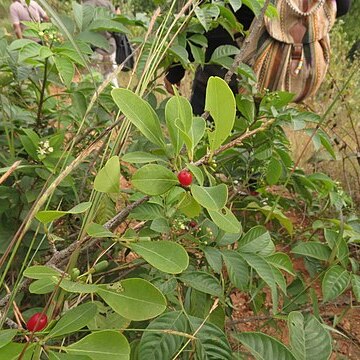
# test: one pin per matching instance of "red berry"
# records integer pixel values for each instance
(192, 223)
(184, 177)
(37, 322)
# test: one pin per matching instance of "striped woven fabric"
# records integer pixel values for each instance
(292, 52)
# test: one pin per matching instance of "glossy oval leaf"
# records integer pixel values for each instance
(102, 345)
(264, 347)
(40, 272)
(108, 178)
(226, 220)
(167, 256)
(6, 336)
(313, 249)
(308, 339)
(99, 231)
(134, 299)
(154, 179)
(74, 320)
(220, 102)
(237, 269)
(158, 343)
(281, 261)
(273, 172)
(355, 282)
(47, 216)
(335, 282)
(140, 114)
(212, 198)
(12, 351)
(259, 264)
(63, 356)
(255, 240)
(203, 282)
(77, 287)
(211, 343)
(43, 286)
(178, 116)
(140, 157)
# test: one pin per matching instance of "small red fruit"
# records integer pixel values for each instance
(184, 177)
(192, 223)
(37, 322)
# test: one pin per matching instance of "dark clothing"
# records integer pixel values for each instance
(216, 38)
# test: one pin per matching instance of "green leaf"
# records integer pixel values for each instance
(211, 343)
(196, 171)
(158, 344)
(178, 111)
(279, 278)
(108, 178)
(336, 241)
(196, 132)
(43, 286)
(74, 320)
(274, 214)
(140, 114)
(154, 179)
(77, 287)
(335, 282)
(255, 240)
(62, 356)
(108, 25)
(189, 206)
(180, 53)
(98, 231)
(12, 351)
(202, 281)
(134, 299)
(308, 339)
(281, 261)
(47, 216)
(220, 102)
(313, 249)
(40, 272)
(246, 106)
(264, 347)
(94, 39)
(139, 157)
(211, 198)
(167, 256)
(213, 257)
(224, 51)
(147, 212)
(102, 345)
(65, 68)
(6, 336)
(355, 282)
(226, 220)
(237, 269)
(263, 269)
(273, 172)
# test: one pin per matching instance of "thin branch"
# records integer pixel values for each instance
(236, 142)
(253, 32)
(12, 168)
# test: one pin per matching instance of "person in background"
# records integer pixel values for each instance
(20, 11)
(217, 37)
(105, 59)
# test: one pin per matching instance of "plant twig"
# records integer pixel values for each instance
(12, 168)
(236, 142)
(253, 31)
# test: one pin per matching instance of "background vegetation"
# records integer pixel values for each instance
(257, 258)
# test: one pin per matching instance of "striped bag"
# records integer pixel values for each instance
(292, 51)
